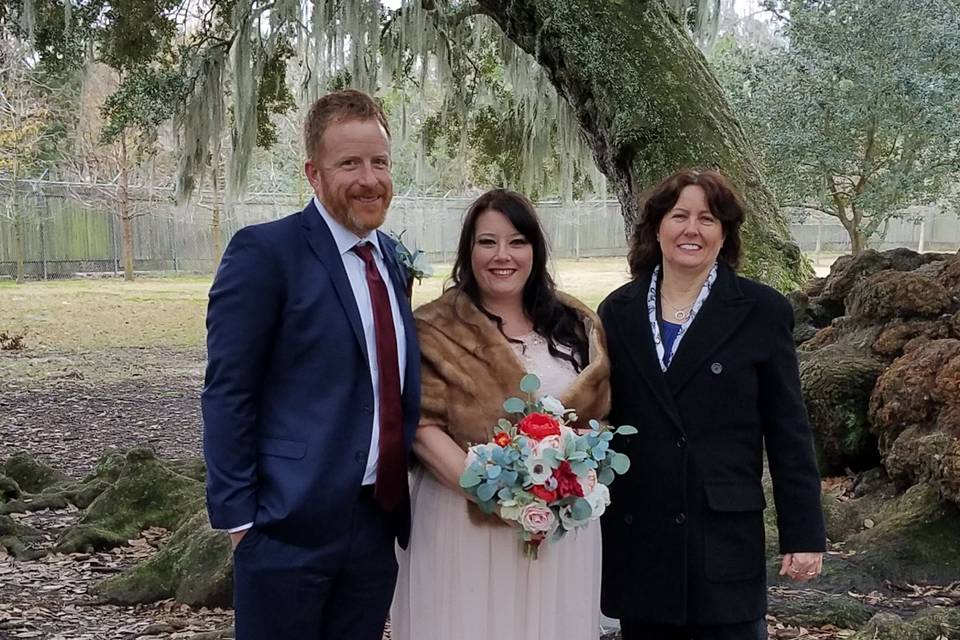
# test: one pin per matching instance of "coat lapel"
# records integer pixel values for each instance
(638, 338)
(324, 246)
(722, 312)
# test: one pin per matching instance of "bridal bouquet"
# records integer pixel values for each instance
(540, 473)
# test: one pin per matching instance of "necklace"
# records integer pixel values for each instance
(680, 314)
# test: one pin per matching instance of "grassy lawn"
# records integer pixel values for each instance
(93, 314)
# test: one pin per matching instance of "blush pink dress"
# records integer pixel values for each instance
(462, 581)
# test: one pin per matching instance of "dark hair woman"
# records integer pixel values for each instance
(501, 318)
(703, 362)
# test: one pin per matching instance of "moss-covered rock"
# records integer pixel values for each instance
(19, 539)
(84, 538)
(813, 608)
(108, 467)
(895, 294)
(37, 502)
(30, 474)
(195, 567)
(146, 493)
(934, 623)
(913, 540)
(837, 383)
(915, 412)
(190, 467)
(9, 489)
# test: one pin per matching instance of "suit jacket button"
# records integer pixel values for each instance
(682, 441)
(628, 518)
(716, 368)
(360, 456)
(681, 518)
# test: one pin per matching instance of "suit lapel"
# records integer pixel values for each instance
(638, 338)
(722, 312)
(321, 241)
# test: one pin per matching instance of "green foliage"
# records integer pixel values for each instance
(145, 99)
(273, 94)
(133, 33)
(856, 113)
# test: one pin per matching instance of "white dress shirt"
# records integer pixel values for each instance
(356, 274)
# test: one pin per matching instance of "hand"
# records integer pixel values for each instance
(235, 538)
(801, 566)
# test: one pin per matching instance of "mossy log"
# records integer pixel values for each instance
(814, 608)
(31, 475)
(934, 623)
(915, 412)
(18, 539)
(195, 567)
(836, 385)
(145, 494)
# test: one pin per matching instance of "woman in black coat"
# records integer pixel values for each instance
(703, 364)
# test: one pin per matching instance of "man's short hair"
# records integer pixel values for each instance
(339, 106)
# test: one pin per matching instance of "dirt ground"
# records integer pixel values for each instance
(110, 365)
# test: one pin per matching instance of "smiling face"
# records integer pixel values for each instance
(351, 174)
(690, 235)
(501, 258)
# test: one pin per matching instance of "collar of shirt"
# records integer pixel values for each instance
(346, 239)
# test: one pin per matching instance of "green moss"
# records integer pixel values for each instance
(30, 474)
(934, 623)
(145, 494)
(195, 567)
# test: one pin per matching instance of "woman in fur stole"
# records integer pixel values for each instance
(464, 575)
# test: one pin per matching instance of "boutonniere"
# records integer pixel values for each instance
(414, 263)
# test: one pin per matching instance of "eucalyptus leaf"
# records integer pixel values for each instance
(626, 430)
(620, 463)
(581, 510)
(486, 491)
(606, 476)
(504, 424)
(514, 405)
(529, 383)
(493, 472)
(470, 478)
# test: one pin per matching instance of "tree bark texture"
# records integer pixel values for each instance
(648, 105)
(126, 215)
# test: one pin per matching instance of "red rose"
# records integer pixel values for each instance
(567, 482)
(539, 425)
(502, 439)
(543, 493)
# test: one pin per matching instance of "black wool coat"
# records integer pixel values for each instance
(683, 539)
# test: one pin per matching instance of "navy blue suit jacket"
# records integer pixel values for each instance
(288, 399)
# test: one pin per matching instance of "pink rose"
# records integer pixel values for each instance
(589, 482)
(536, 518)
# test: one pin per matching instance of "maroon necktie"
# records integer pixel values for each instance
(391, 469)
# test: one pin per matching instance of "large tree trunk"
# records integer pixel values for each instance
(648, 106)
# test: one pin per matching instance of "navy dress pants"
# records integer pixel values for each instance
(288, 592)
(633, 630)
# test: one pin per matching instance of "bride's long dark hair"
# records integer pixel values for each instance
(559, 324)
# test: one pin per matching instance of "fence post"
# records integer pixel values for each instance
(113, 242)
(173, 245)
(921, 245)
(43, 248)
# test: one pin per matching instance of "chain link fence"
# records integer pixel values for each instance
(61, 230)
